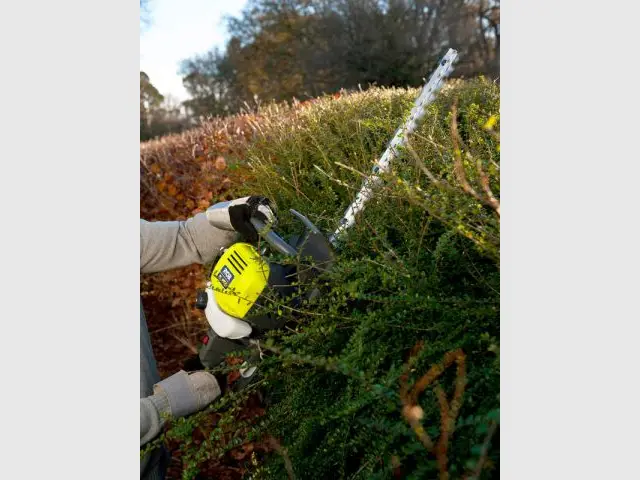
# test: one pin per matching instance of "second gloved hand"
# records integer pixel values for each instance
(179, 395)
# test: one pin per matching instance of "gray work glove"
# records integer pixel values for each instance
(180, 395)
(236, 215)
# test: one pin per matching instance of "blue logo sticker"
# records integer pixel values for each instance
(225, 276)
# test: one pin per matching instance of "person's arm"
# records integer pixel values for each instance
(169, 245)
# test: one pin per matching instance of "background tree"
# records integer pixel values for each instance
(304, 48)
(208, 82)
(150, 101)
(159, 115)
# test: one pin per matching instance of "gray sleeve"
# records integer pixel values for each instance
(150, 421)
(169, 245)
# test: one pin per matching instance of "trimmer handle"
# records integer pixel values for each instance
(277, 242)
(272, 238)
(312, 244)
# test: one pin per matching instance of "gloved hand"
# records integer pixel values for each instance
(182, 394)
(237, 214)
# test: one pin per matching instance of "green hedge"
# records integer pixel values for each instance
(418, 273)
(421, 265)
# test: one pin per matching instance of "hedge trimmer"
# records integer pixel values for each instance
(242, 275)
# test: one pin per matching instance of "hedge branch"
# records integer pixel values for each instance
(484, 181)
(458, 168)
(413, 413)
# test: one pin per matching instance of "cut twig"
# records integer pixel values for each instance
(413, 413)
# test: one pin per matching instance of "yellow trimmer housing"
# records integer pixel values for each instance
(238, 279)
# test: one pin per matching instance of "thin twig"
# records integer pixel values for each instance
(422, 166)
(185, 343)
(413, 413)
(484, 450)
(458, 166)
(484, 181)
(351, 169)
(362, 467)
(292, 185)
(434, 372)
(339, 182)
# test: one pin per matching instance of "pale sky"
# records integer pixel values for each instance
(180, 29)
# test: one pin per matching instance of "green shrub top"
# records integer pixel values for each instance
(421, 265)
(419, 272)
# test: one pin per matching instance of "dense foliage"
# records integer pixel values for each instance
(394, 371)
(421, 266)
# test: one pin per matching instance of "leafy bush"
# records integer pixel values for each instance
(420, 267)
(394, 370)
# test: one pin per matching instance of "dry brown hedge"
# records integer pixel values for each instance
(181, 175)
